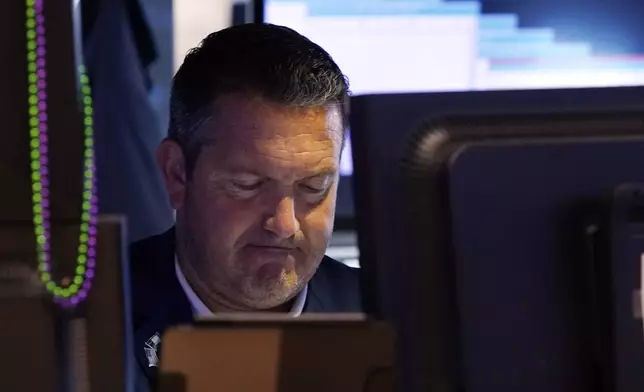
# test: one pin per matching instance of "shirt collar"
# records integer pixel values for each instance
(200, 309)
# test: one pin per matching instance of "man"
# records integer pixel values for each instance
(257, 124)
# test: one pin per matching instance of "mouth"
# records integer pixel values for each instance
(271, 248)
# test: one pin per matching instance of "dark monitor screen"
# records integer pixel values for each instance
(383, 125)
(481, 259)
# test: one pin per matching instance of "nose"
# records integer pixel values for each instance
(283, 221)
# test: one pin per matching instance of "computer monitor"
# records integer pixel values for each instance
(486, 274)
(46, 348)
(444, 45)
(383, 125)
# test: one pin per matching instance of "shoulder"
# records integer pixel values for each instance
(152, 274)
(337, 273)
(337, 286)
(143, 251)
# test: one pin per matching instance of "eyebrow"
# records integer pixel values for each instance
(325, 172)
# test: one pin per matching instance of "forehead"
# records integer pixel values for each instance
(250, 130)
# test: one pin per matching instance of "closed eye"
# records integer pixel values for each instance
(251, 186)
(311, 189)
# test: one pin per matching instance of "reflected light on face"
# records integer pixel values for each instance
(259, 208)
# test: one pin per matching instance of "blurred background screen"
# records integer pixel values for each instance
(391, 46)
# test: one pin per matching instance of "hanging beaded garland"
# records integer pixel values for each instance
(75, 290)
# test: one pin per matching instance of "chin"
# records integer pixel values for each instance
(264, 298)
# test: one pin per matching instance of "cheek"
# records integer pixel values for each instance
(318, 224)
(222, 220)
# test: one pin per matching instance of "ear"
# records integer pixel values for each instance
(172, 164)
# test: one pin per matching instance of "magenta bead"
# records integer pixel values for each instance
(41, 84)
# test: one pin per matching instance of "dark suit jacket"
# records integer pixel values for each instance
(159, 301)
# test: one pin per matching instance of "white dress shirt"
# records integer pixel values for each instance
(201, 310)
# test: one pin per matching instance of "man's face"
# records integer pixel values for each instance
(255, 217)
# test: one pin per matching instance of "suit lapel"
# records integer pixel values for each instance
(313, 303)
(164, 302)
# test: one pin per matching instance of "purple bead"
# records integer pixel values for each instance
(91, 252)
(43, 149)
(45, 247)
(40, 18)
(74, 300)
(93, 210)
(89, 274)
(41, 94)
(82, 294)
(45, 194)
(45, 224)
(40, 63)
(91, 241)
(92, 230)
(42, 105)
(87, 284)
(91, 262)
(43, 116)
(93, 220)
(44, 182)
(43, 160)
(45, 213)
(40, 40)
(41, 73)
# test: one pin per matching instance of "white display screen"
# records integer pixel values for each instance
(387, 46)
